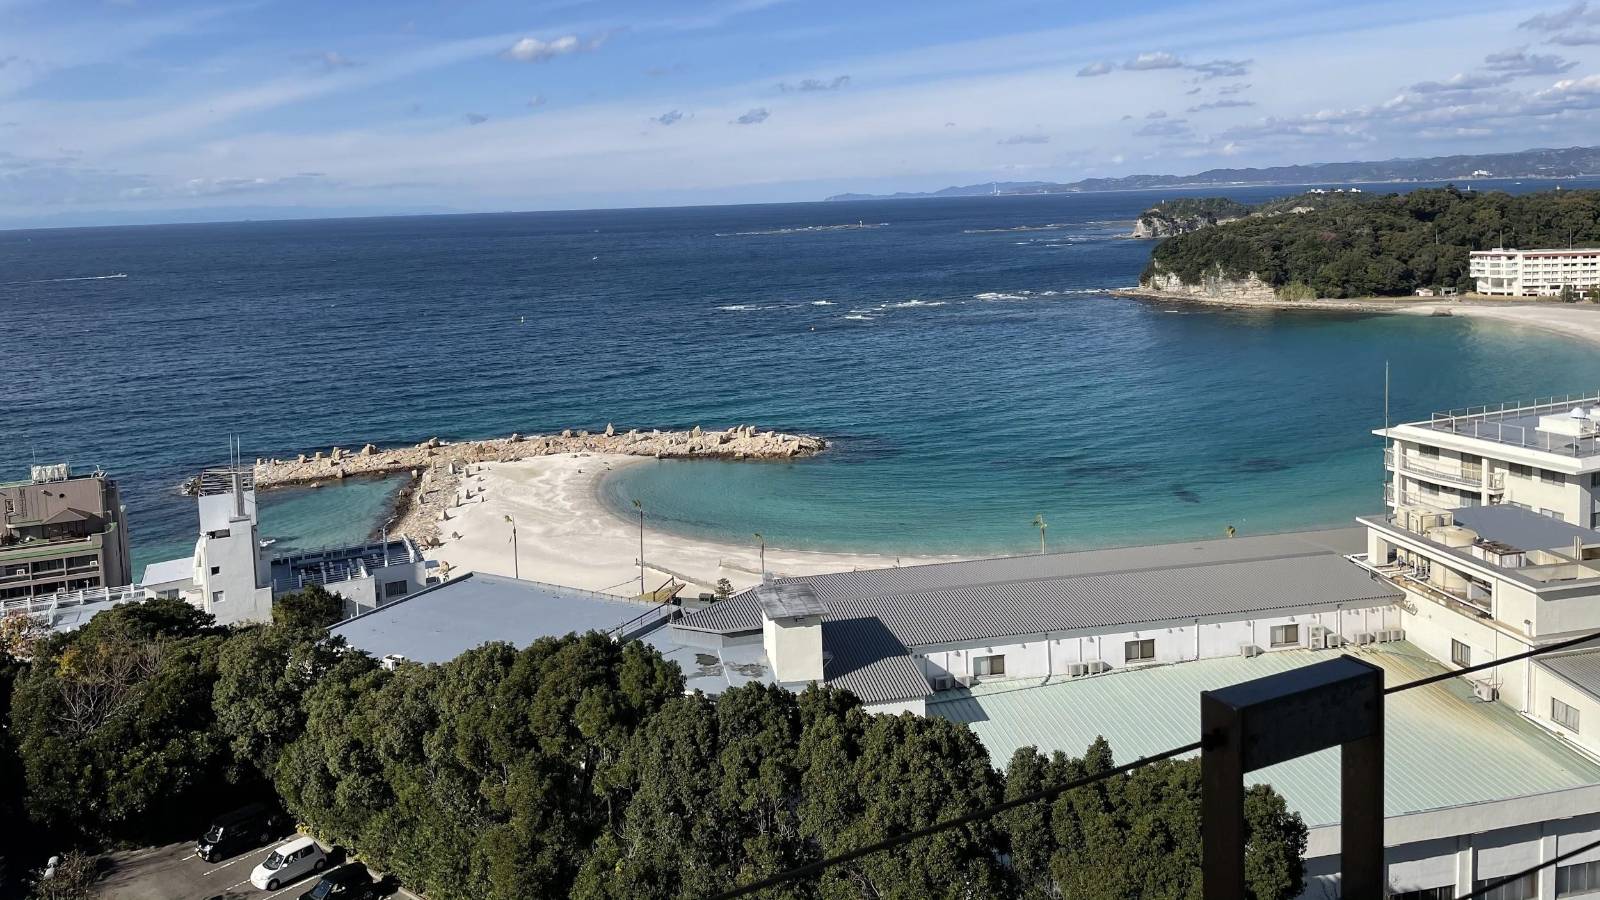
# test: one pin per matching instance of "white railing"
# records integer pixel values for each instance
(1485, 422)
(48, 604)
(1418, 464)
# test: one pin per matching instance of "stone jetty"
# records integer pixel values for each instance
(436, 466)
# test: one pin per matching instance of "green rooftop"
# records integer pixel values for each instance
(1442, 746)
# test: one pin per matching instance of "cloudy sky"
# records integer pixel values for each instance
(152, 110)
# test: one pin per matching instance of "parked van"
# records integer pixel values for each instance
(291, 861)
(246, 827)
(348, 882)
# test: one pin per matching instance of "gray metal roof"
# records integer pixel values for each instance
(439, 623)
(789, 599)
(865, 659)
(1523, 529)
(1580, 667)
(986, 599)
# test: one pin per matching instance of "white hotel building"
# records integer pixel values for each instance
(1534, 273)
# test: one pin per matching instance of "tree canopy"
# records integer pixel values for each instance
(1352, 245)
(575, 767)
(313, 606)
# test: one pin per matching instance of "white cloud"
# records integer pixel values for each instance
(1156, 114)
(1222, 104)
(1576, 14)
(1095, 69)
(1223, 68)
(1520, 62)
(1165, 128)
(1461, 82)
(753, 117)
(536, 101)
(1017, 139)
(812, 85)
(670, 117)
(1148, 61)
(530, 49)
(476, 118)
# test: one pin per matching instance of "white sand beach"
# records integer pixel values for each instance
(566, 536)
(1578, 320)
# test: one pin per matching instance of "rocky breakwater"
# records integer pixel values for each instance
(435, 467)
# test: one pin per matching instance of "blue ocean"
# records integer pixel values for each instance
(961, 354)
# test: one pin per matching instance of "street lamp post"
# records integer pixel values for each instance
(640, 507)
(763, 555)
(516, 564)
(1041, 524)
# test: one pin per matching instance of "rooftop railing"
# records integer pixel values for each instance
(1489, 422)
(48, 604)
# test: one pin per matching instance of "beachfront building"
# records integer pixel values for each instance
(1534, 273)
(1489, 533)
(61, 533)
(229, 575)
(897, 636)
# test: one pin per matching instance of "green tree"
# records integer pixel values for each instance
(313, 606)
(263, 676)
(74, 879)
(724, 589)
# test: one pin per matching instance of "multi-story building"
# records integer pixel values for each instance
(61, 533)
(1534, 273)
(229, 576)
(1489, 533)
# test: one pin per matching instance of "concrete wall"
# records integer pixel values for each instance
(1549, 686)
(1432, 626)
(1038, 655)
(794, 648)
(1455, 846)
(919, 707)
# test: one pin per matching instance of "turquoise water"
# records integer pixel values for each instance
(961, 354)
(1120, 421)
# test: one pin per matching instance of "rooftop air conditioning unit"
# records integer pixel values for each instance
(943, 682)
(1333, 640)
(1318, 640)
(1397, 634)
(1097, 666)
(1485, 691)
(1366, 637)
(1249, 650)
(1077, 670)
(390, 660)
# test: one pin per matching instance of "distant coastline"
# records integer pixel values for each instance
(1527, 165)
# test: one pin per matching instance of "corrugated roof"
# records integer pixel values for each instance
(986, 599)
(789, 599)
(1442, 747)
(439, 623)
(1580, 667)
(867, 660)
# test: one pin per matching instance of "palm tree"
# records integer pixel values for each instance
(1041, 524)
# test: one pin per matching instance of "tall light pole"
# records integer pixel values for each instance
(516, 564)
(763, 555)
(1041, 524)
(640, 507)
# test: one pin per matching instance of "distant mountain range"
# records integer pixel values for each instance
(1543, 163)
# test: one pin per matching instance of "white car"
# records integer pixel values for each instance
(290, 862)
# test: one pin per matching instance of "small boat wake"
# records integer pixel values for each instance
(71, 278)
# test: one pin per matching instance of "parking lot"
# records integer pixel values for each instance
(174, 872)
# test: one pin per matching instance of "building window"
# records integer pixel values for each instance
(1549, 477)
(216, 570)
(989, 665)
(1448, 892)
(216, 596)
(394, 589)
(1285, 635)
(1525, 888)
(1580, 878)
(1552, 514)
(1460, 653)
(1566, 717)
(1521, 471)
(1135, 651)
(216, 535)
(1428, 452)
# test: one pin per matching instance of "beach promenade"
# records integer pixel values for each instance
(566, 536)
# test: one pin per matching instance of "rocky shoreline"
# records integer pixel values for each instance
(1251, 299)
(436, 467)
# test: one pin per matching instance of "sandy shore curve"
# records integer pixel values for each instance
(566, 535)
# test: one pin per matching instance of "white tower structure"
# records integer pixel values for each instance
(235, 584)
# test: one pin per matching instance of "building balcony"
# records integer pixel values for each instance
(1464, 476)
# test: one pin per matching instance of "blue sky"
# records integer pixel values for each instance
(144, 110)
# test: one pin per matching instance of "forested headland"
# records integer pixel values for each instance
(1357, 245)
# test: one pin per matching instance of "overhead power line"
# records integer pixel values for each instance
(1051, 793)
